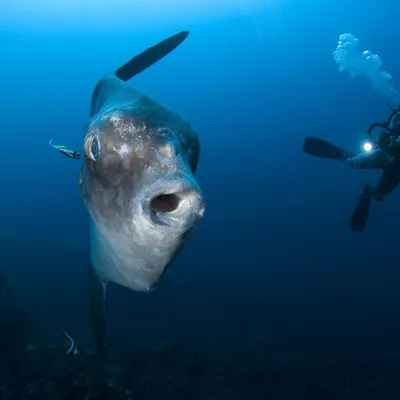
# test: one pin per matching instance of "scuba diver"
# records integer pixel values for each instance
(382, 153)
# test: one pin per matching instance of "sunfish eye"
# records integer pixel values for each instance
(92, 147)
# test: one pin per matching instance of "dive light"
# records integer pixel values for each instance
(368, 146)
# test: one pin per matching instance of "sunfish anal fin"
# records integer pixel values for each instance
(98, 311)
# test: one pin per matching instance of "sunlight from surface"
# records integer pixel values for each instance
(102, 13)
(115, 6)
(265, 15)
(139, 14)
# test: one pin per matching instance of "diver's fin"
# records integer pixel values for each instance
(150, 56)
(323, 149)
(360, 215)
(97, 293)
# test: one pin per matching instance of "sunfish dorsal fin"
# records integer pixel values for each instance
(150, 56)
(110, 87)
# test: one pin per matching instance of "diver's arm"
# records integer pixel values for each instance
(374, 159)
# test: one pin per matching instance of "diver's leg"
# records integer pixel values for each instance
(388, 182)
(321, 148)
(359, 218)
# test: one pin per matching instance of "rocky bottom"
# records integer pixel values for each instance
(198, 374)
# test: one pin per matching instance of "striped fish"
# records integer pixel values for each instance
(64, 150)
(72, 348)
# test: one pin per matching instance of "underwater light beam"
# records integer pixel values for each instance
(113, 13)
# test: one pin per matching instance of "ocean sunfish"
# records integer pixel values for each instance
(137, 183)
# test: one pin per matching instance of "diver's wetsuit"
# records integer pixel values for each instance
(386, 158)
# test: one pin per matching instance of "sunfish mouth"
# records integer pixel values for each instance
(176, 203)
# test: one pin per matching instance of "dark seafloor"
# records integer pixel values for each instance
(172, 372)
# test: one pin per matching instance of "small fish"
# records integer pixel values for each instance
(72, 348)
(67, 152)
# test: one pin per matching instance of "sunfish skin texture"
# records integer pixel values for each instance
(137, 182)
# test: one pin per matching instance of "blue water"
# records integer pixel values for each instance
(274, 260)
